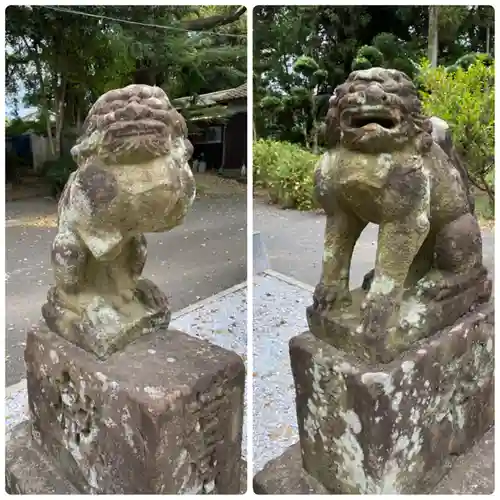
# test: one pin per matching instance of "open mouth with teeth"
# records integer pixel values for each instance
(369, 119)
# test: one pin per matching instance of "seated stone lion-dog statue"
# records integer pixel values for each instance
(133, 177)
(384, 167)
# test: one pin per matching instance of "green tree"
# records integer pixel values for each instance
(65, 58)
(465, 98)
(334, 37)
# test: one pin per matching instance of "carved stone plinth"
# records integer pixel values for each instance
(387, 428)
(162, 416)
(417, 318)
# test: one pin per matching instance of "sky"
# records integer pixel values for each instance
(22, 109)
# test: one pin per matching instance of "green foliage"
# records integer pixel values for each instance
(386, 51)
(333, 37)
(57, 173)
(299, 107)
(468, 60)
(64, 61)
(286, 171)
(17, 126)
(271, 103)
(320, 75)
(361, 63)
(466, 100)
(373, 55)
(306, 66)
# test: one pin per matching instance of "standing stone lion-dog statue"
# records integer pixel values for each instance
(133, 177)
(384, 167)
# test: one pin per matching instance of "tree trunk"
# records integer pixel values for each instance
(60, 108)
(314, 124)
(488, 39)
(208, 23)
(43, 98)
(433, 40)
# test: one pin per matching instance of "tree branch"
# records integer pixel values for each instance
(208, 23)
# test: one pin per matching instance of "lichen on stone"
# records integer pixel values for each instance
(133, 177)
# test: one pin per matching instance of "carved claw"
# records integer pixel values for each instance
(326, 297)
(150, 295)
(376, 312)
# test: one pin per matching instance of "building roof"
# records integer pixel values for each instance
(219, 97)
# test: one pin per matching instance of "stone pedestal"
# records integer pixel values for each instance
(163, 416)
(370, 428)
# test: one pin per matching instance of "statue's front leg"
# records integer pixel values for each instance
(341, 233)
(398, 245)
(403, 230)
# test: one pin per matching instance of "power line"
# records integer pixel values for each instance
(98, 16)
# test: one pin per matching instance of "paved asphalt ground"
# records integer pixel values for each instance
(203, 257)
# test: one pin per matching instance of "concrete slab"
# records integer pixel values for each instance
(279, 313)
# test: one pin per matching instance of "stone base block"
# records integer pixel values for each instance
(391, 428)
(286, 476)
(417, 318)
(163, 416)
(30, 471)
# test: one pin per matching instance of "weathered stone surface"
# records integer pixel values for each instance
(29, 471)
(286, 476)
(417, 318)
(164, 415)
(133, 176)
(384, 167)
(472, 473)
(391, 428)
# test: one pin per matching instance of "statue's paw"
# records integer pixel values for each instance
(121, 299)
(376, 310)
(326, 297)
(150, 295)
(437, 285)
(127, 295)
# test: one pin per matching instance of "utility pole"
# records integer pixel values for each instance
(432, 50)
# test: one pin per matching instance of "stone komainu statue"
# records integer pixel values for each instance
(133, 177)
(384, 167)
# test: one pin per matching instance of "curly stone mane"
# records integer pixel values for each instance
(137, 119)
(377, 88)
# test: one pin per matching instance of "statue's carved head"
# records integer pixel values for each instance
(132, 125)
(376, 110)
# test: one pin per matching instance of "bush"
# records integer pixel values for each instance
(465, 98)
(286, 171)
(57, 173)
(372, 54)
